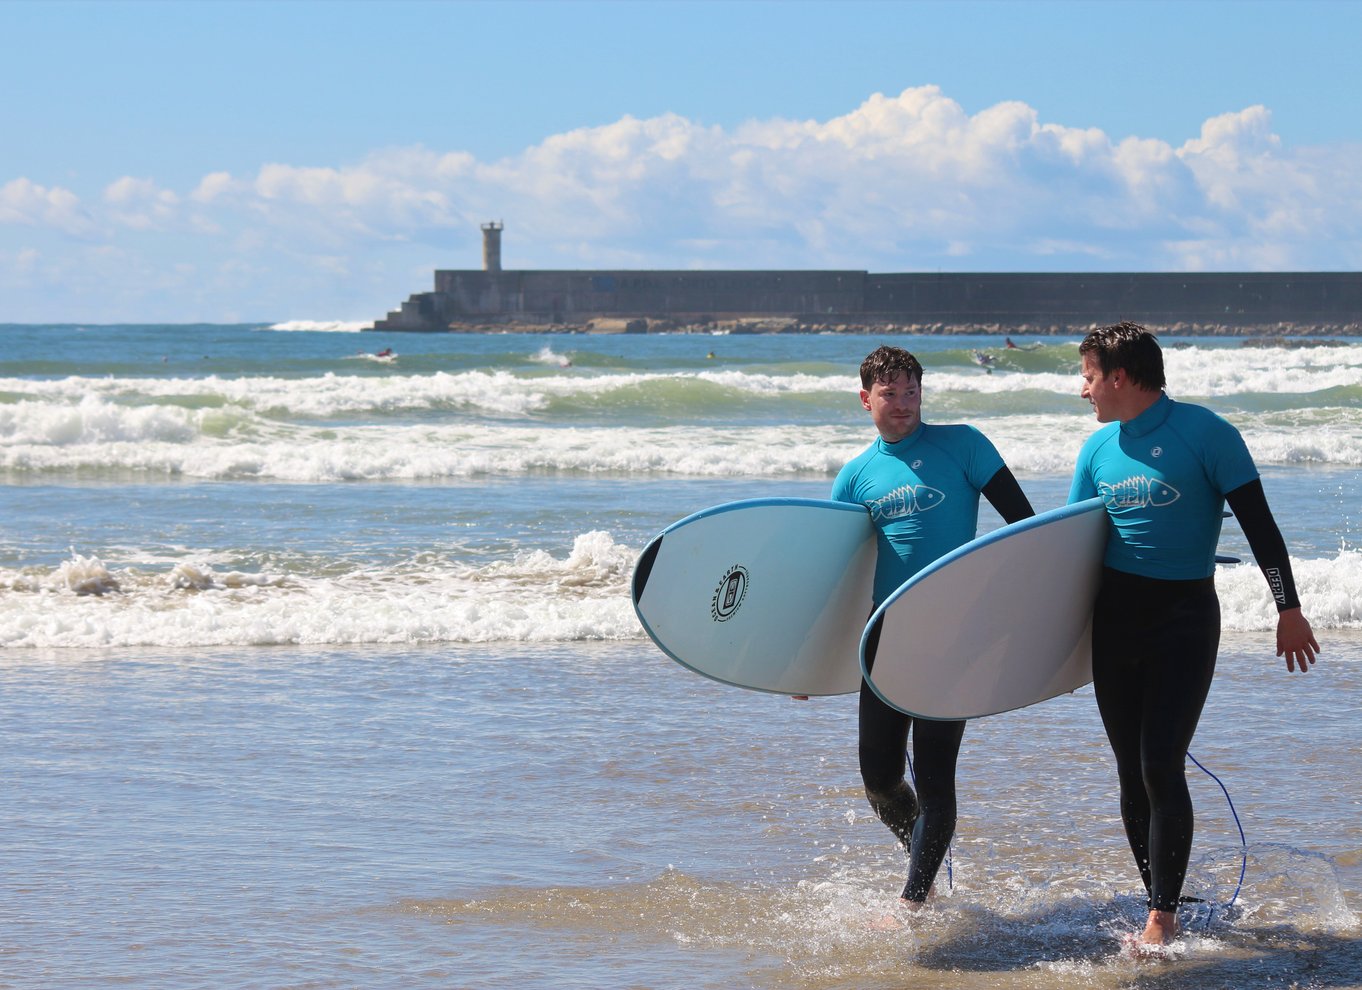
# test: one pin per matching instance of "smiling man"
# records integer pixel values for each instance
(921, 484)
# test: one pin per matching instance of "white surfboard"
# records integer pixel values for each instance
(770, 594)
(1003, 622)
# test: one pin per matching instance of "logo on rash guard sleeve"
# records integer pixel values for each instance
(1138, 493)
(906, 501)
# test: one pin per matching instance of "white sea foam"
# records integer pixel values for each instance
(323, 326)
(1214, 373)
(497, 392)
(547, 355)
(231, 442)
(1330, 592)
(1300, 445)
(83, 576)
(274, 451)
(1219, 371)
(587, 421)
(534, 597)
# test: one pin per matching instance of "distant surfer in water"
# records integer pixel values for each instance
(1165, 470)
(922, 485)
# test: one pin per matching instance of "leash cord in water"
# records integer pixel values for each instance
(950, 874)
(1243, 842)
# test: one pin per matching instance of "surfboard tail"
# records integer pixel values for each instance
(644, 567)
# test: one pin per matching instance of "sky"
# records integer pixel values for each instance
(204, 161)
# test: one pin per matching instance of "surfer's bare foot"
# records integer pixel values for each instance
(1152, 943)
(893, 920)
(886, 923)
(1161, 928)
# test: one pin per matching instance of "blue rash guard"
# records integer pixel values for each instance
(1163, 476)
(923, 496)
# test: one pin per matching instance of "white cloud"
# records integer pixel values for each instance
(215, 186)
(364, 201)
(1265, 206)
(127, 190)
(19, 269)
(140, 204)
(901, 182)
(26, 203)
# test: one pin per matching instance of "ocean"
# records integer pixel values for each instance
(318, 669)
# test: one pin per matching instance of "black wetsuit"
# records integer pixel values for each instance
(1156, 625)
(923, 822)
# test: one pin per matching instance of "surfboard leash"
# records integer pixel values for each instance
(1243, 843)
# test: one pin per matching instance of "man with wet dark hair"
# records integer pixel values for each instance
(1130, 347)
(921, 484)
(1165, 470)
(884, 364)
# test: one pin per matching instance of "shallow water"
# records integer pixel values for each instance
(594, 815)
(320, 671)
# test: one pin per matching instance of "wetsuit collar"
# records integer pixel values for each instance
(1149, 420)
(904, 444)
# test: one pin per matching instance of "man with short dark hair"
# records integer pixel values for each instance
(922, 484)
(1165, 470)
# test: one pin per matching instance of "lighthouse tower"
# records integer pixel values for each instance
(491, 246)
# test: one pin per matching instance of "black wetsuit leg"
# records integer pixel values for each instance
(924, 822)
(1154, 648)
(882, 746)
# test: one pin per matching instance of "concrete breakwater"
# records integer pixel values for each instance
(1260, 335)
(1255, 304)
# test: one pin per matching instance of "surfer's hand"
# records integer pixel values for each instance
(1296, 640)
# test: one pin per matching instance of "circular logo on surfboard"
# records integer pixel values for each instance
(730, 593)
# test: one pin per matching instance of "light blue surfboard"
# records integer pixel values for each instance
(770, 594)
(1002, 622)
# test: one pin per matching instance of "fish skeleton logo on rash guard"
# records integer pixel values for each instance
(906, 501)
(1137, 493)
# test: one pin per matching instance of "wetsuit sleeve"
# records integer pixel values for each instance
(1249, 504)
(1005, 495)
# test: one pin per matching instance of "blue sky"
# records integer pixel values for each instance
(183, 161)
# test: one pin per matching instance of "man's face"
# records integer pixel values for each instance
(1098, 389)
(895, 406)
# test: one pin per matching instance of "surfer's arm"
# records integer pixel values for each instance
(1295, 639)
(1249, 505)
(1006, 496)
